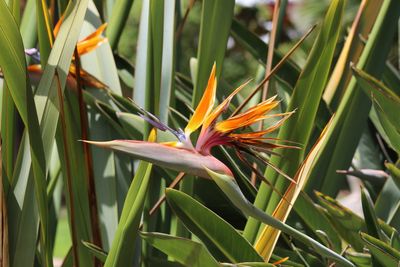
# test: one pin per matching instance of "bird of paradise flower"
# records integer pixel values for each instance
(181, 155)
(84, 46)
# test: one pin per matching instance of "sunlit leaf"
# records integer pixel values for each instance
(185, 251)
(221, 239)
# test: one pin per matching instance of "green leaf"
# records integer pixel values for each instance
(28, 25)
(143, 68)
(295, 257)
(56, 71)
(101, 64)
(9, 134)
(155, 48)
(117, 21)
(316, 219)
(216, 18)
(248, 189)
(386, 98)
(54, 78)
(185, 251)
(96, 251)
(13, 65)
(123, 103)
(360, 259)
(110, 116)
(46, 100)
(382, 252)
(352, 113)
(72, 156)
(306, 98)
(269, 236)
(392, 133)
(9, 119)
(220, 238)
(391, 77)
(258, 49)
(167, 60)
(394, 172)
(395, 240)
(230, 188)
(352, 48)
(155, 262)
(387, 204)
(45, 30)
(121, 252)
(345, 221)
(249, 264)
(385, 101)
(104, 166)
(14, 6)
(23, 223)
(369, 215)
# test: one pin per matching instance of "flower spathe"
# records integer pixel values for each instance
(164, 155)
(182, 155)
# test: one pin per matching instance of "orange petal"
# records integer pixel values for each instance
(35, 73)
(89, 45)
(58, 25)
(205, 106)
(247, 118)
(222, 107)
(259, 143)
(92, 41)
(270, 129)
(37, 68)
(280, 261)
(97, 33)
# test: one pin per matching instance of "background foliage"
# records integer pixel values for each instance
(66, 203)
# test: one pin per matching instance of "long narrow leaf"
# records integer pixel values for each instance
(100, 63)
(352, 114)
(120, 13)
(167, 63)
(12, 62)
(45, 30)
(47, 111)
(385, 255)
(215, 25)
(121, 253)
(220, 238)
(305, 99)
(269, 236)
(185, 251)
(228, 185)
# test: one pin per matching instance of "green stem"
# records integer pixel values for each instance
(229, 186)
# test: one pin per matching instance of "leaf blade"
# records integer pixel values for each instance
(218, 236)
